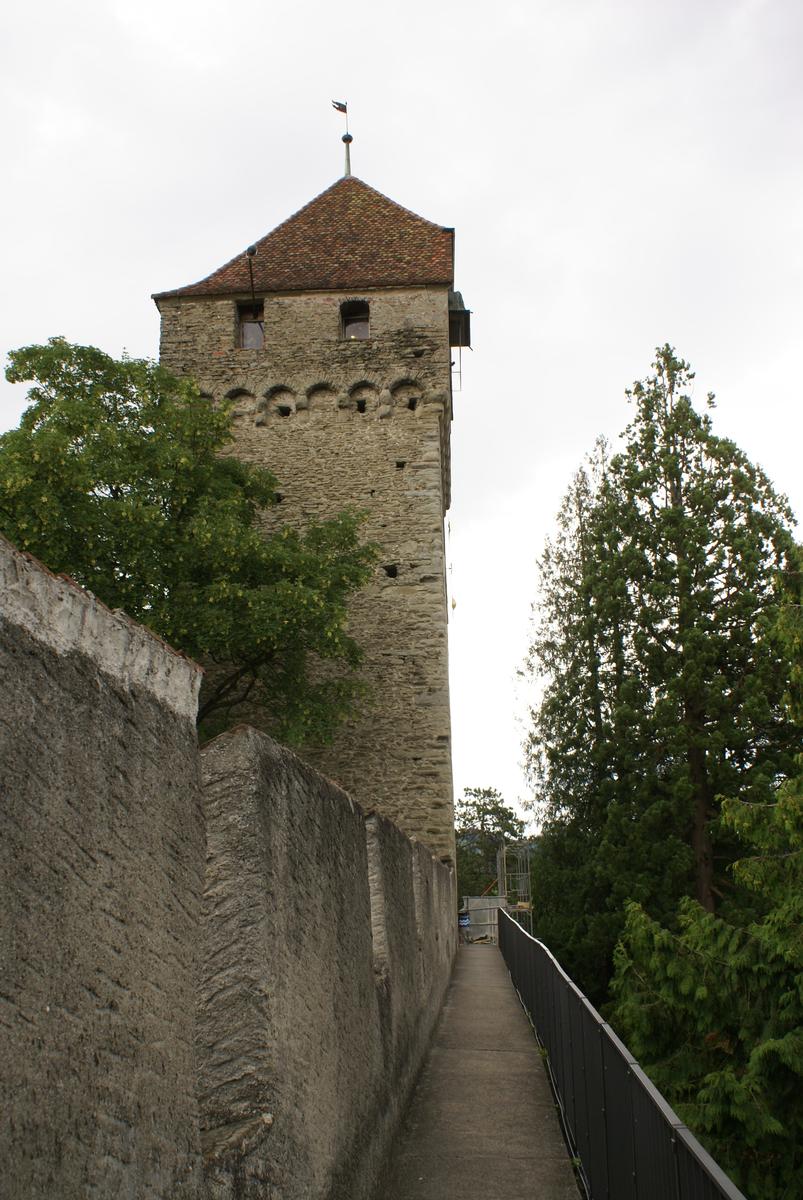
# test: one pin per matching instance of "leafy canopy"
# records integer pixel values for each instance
(116, 477)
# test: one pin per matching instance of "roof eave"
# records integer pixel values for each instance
(220, 294)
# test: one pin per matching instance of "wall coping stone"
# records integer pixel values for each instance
(58, 612)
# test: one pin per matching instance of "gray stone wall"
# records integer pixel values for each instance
(328, 944)
(101, 855)
(267, 1021)
(363, 424)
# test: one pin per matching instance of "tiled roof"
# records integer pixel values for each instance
(349, 237)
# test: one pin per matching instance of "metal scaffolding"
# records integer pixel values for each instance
(513, 894)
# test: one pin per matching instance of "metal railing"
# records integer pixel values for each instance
(627, 1141)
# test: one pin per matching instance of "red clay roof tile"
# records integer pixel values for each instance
(349, 237)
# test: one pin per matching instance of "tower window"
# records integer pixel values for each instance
(354, 320)
(251, 326)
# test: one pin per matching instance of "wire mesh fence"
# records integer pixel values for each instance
(628, 1142)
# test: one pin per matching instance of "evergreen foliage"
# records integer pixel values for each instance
(663, 688)
(714, 1010)
(115, 476)
(482, 823)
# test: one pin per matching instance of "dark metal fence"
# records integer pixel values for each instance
(629, 1143)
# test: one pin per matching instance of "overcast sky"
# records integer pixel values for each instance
(620, 174)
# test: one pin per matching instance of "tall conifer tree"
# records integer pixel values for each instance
(663, 691)
(714, 1009)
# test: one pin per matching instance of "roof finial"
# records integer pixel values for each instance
(250, 252)
(342, 106)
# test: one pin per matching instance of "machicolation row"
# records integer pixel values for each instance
(363, 397)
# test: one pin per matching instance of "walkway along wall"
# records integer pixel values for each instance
(310, 980)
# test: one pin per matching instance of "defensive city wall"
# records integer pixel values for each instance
(218, 975)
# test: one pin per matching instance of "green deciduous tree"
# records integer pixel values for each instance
(714, 1008)
(483, 822)
(662, 687)
(115, 476)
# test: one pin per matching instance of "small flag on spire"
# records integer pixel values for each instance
(341, 106)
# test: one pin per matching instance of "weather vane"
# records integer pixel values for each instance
(342, 106)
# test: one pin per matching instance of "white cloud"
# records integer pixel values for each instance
(620, 173)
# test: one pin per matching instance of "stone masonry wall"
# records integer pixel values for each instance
(101, 856)
(271, 1033)
(328, 943)
(362, 424)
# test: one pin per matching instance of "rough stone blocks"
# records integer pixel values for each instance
(101, 856)
(328, 945)
(362, 424)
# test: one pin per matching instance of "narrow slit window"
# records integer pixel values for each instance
(251, 326)
(354, 321)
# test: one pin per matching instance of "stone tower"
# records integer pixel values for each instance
(332, 335)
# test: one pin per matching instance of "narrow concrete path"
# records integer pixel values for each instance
(482, 1123)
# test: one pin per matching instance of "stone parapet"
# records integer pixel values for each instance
(267, 1021)
(328, 944)
(101, 860)
(58, 613)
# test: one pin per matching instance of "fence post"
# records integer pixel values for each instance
(604, 1075)
(633, 1125)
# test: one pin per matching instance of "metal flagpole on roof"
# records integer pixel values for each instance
(342, 106)
(250, 252)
